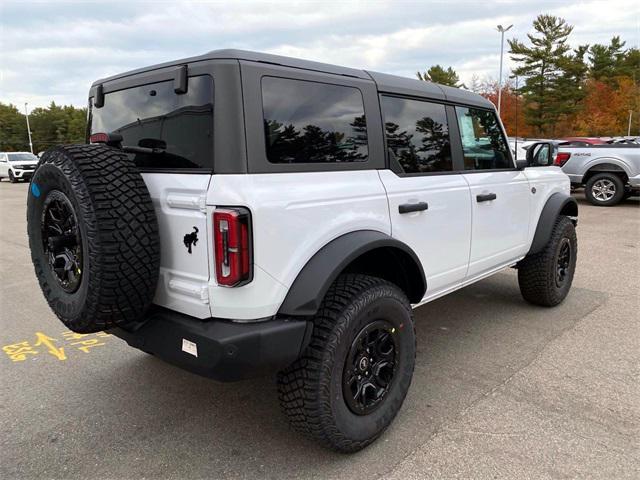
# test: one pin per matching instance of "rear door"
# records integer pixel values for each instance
(174, 134)
(500, 194)
(428, 202)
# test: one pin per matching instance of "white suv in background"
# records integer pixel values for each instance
(17, 165)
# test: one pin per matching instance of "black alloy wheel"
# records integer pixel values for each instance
(563, 261)
(370, 367)
(62, 240)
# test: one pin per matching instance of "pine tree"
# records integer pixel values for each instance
(547, 68)
(438, 74)
(13, 129)
(607, 60)
(630, 65)
(570, 85)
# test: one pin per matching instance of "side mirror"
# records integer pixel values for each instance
(541, 154)
(521, 164)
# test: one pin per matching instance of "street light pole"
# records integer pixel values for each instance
(516, 132)
(26, 114)
(629, 127)
(501, 29)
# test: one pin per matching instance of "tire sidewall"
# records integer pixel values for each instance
(69, 307)
(387, 304)
(617, 197)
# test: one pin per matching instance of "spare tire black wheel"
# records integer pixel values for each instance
(94, 238)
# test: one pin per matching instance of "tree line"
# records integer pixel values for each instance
(51, 126)
(556, 90)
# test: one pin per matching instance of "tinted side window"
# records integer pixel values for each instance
(311, 122)
(483, 143)
(418, 134)
(179, 126)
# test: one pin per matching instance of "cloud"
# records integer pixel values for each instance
(54, 50)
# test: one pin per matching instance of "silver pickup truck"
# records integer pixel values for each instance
(609, 173)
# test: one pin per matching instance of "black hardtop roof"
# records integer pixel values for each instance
(385, 82)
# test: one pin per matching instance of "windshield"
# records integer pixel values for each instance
(153, 115)
(22, 157)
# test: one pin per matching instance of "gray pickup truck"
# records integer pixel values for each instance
(609, 173)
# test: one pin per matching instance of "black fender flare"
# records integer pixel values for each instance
(315, 278)
(557, 204)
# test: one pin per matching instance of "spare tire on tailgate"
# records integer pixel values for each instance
(93, 235)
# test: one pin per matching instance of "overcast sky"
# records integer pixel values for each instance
(54, 50)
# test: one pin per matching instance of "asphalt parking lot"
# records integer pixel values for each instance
(502, 389)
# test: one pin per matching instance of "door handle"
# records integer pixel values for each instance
(413, 207)
(486, 198)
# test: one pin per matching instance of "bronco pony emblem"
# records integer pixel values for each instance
(191, 239)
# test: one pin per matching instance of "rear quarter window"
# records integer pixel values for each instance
(180, 127)
(313, 122)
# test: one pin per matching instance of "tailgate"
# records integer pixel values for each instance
(179, 201)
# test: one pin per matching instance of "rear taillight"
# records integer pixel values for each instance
(99, 138)
(232, 245)
(111, 139)
(561, 158)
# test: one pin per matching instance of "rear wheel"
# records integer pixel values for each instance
(604, 189)
(352, 379)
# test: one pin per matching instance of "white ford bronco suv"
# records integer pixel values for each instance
(240, 214)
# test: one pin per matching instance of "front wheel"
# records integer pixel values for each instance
(604, 189)
(545, 277)
(12, 177)
(351, 381)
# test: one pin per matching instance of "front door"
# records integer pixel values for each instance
(499, 193)
(428, 203)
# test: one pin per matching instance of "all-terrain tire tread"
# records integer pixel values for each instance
(535, 271)
(122, 231)
(299, 384)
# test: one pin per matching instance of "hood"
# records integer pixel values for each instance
(19, 163)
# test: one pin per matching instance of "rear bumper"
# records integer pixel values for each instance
(217, 348)
(575, 179)
(634, 182)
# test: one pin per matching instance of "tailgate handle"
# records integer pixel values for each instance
(486, 198)
(413, 207)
